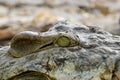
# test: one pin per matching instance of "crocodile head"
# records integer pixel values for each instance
(66, 52)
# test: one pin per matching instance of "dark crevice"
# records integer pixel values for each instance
(46, 45)
(32, 75)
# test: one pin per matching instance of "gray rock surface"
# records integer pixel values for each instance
(97, 57)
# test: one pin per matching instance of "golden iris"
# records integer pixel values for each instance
(63, 41)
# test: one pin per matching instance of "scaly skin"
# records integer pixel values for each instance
(66, 52)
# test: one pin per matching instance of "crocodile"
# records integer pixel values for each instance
(67, 51)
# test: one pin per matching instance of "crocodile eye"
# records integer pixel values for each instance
(63, 41)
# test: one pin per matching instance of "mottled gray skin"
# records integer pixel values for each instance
(97, 57)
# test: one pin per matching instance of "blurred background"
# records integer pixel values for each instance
(40, 15)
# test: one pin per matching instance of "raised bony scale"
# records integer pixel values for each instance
(28, 42)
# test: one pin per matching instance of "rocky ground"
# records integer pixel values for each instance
(39, 15)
